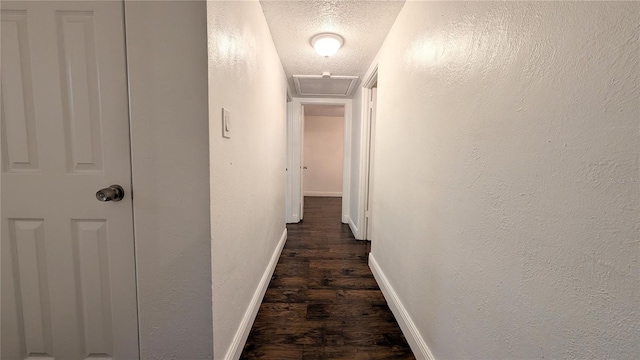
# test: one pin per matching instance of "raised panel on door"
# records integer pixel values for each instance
(27, 277)
(80, 90)
(91, 259)
(19, 145)
(68, 271)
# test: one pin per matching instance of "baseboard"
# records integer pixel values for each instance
(242, 334)
(354, 228)
(408, 327)
(323, 193)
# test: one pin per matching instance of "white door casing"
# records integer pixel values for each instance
(371, 128)
(288, 212)
(68, 271)
(302, 165)
(295, 154)
(367, 152)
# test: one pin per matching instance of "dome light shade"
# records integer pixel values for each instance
(327, 44)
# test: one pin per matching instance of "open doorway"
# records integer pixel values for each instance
(323, 151)
(319, 181)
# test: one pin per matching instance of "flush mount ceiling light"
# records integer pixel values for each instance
(327, 44)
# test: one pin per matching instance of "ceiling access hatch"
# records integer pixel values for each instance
(322, 85)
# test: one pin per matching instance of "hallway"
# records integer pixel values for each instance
(490, 149)
(322, 301)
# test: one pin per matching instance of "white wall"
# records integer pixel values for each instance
(167, 58)
(247, 170)
(507, 179)
(323, 152)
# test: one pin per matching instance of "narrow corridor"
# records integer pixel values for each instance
(323, 302)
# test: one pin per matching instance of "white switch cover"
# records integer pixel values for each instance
(226, 123)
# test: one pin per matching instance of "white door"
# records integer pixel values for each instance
(369, 184)
(302, 166)
(68, 276)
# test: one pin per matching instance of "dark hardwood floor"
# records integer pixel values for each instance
(323, 302)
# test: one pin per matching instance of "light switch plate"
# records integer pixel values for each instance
(226, 123)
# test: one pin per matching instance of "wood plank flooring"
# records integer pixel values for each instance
(322, 301)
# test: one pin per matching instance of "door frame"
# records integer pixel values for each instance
(294, 155)
(288, 166)
(366, 157)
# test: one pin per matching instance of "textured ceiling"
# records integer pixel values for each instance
(363, 25)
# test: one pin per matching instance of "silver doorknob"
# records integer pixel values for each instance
(112, 193)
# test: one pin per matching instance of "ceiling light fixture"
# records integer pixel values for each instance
(327, 44)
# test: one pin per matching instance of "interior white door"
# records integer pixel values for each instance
(369, 174)
(68, 274)
(302, 162)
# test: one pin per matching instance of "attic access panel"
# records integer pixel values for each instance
(325, 86)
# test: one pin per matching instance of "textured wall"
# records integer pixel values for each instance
(167, 57)
(323, 153)
(247, 170)
(507, 177)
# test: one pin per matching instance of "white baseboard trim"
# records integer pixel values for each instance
(408, 327)
(323, 193)
(354, 228)
(240, 338)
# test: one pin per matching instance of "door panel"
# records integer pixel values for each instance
(302, 162)
(368, 229)
(20, 147)
(68, 274)
(27, 245)
(80, 93)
